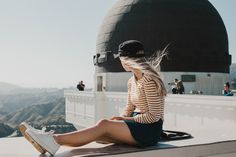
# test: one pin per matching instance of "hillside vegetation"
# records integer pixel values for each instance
(40, 108)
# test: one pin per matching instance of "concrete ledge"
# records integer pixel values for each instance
(19, 147)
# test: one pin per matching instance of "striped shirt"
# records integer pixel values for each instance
(144, 98)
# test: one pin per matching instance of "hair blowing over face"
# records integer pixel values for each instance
(149, 66)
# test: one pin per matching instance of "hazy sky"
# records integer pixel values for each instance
(50, 43)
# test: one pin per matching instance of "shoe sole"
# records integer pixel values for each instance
(34, 142)
(22, 129)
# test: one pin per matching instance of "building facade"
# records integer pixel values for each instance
(193, 32)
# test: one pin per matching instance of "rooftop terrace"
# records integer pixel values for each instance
(211, 120)
(201, 145)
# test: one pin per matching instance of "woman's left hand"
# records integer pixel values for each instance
(122, 118)
(117, 118)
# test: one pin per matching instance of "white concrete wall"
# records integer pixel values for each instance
(86, 108)
(208, 83)
(116, 82)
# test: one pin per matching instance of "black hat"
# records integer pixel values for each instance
(130, 48)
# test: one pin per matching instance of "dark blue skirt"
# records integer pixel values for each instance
(145, 134)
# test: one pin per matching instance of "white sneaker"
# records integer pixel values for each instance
(23, 127)
(44, 139)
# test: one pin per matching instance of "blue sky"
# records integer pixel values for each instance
(50, 43)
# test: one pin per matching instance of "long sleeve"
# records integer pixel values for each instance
(129, 107)
(155, 103)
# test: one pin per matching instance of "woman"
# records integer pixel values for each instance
(141, 122)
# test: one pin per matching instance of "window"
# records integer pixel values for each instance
(188, 78)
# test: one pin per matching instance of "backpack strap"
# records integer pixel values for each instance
(168, 135)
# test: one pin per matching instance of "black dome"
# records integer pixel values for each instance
(193, 29)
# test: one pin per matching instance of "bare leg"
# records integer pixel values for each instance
(111, 130)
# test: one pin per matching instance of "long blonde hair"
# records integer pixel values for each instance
(149, 66)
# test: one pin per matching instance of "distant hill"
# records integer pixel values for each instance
(233, 71)
(233, 76)
(5, 130)
(39, 109)
(10, 103)
(7, 87)
(37, 113)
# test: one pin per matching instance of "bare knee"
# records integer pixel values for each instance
(102, 123)
(106, 126)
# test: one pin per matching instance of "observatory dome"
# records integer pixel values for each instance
(193, 30)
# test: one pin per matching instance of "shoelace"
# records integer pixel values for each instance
(43, 130)
(49, 132)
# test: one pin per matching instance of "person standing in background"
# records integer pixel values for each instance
(227, 91)
(179, 86)
(81, 86)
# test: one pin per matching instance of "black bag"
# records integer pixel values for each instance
(168, 135)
